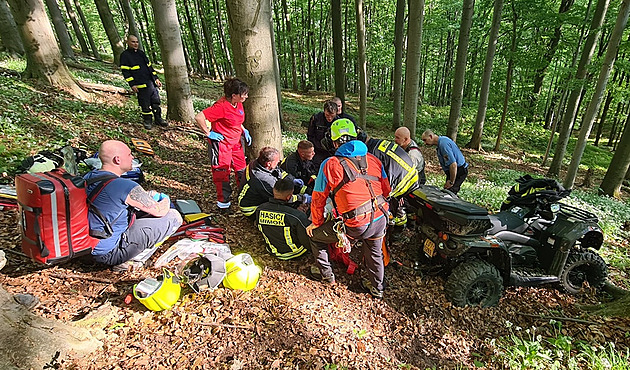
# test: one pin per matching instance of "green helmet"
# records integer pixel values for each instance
(342, 127)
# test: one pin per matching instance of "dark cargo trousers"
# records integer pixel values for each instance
(372, 236)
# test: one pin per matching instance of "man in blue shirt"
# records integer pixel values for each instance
(122, 236)
(451, 159)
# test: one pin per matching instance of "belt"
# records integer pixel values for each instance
(364, 208)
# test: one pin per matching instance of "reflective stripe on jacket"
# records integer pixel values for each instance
(402, 175)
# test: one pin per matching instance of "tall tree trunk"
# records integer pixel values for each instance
(337, 39)
(580, 76)
(60, 29)
(552, 46)
(148, 32)
(290, 36)
(75, 27)
(207, 34)
(602, 118)
(131, 19)
(43, 58)
(110, 29)
(222, 40)
(193, 34)
(88, 33)
(178, 94)
(412, 73)
(250, 32)
(460, 69)
(363, 84)
(619, 165)
(9, 33)
(475, 141)
(589, 118)
(508, 80)
(399, 34)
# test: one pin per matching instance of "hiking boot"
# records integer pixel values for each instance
(375, 293)
(160, 122)
(316, 275)
(128, 266)
(147, 125)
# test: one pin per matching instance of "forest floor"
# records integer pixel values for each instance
(288, 321)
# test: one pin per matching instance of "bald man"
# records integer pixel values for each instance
(402, 137)
(112, 219)
(143, 80)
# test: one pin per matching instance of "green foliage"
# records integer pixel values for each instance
(527, 349)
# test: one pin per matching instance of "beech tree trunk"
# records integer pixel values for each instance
(294, 78)
(88, 33)
(43, 58)
(131, 20)
(178, 94)
(337, 40)
(60, 29)
(198, 57)
(399, 34)
(115, 41)
(75, 27)
(363, 83)
(576, 93)
(207, 35)
(250, 32)
(460, 69)
(9, 33)
(619, 164)
(412, 73)
(508, 80)
(475, 141)
(589, 118)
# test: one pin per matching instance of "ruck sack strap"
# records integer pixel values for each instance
(107, 227)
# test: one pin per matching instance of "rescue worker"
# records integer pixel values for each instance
(341, 113)
(357, 184)
(225, 147)
(402, 137)
(143, 79)
(283, 227)
(318, 126)
(260, 177)
(300, 165)
(402, 175)
(451, 159)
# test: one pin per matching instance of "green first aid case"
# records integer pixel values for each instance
(186, 206)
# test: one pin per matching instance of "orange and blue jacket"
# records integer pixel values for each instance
(352, 194)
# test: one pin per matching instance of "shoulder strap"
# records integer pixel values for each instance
(107, 227)
(104, 181)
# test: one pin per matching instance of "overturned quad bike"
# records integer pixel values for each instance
(533, 240)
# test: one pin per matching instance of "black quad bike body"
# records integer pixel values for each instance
(533, 240)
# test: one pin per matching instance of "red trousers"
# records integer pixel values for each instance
(223, 157)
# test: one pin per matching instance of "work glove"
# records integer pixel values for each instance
(215, 136)
(306, 199)
(298, 182)
(248, 137)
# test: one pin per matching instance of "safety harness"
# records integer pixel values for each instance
(351, 175)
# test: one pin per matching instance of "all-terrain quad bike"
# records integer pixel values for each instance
(533, 240)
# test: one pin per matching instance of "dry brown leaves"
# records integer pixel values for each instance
(288, 321)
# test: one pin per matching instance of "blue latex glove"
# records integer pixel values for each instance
(215, 136)
(248, 137)
(159, 197)
(307, 199)
(298, 182)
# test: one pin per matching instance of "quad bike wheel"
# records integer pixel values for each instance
(583, 266)
(474, 283)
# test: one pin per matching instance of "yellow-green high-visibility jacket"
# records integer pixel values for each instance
(400, 170)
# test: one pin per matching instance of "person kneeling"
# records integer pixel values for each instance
(112, 217)
(283, 227)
